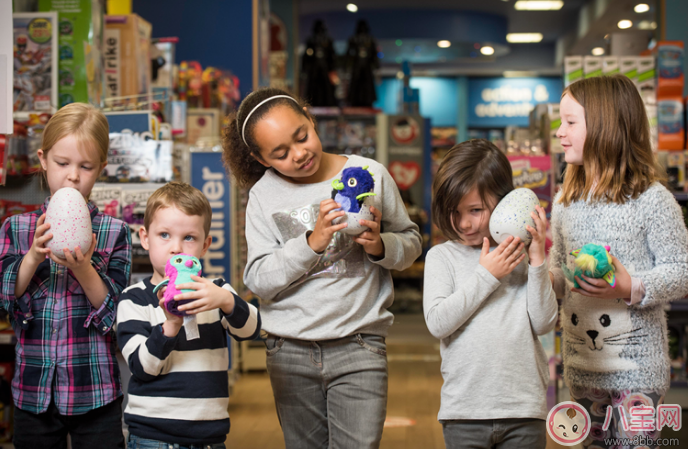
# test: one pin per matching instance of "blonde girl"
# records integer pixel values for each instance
(66, 380)
(615, 349)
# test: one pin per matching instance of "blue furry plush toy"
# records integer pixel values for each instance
(355, 185)
(594, 261)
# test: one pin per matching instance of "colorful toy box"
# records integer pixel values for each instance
(127, 56)
(80, 40)
(670, 123)
(670, 78)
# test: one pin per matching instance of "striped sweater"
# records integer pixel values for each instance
(178, 392)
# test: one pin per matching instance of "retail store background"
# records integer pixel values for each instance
(452, 93)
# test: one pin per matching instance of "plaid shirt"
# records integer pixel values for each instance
(65, 346)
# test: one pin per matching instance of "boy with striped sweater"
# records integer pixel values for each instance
(178, 392)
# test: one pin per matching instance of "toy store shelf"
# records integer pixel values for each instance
(680, 305)
(681, 196)
(7, 337)
(415, 271)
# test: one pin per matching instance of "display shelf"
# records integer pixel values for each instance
(680, 305)
(415, 271)
(681, 196)
(7, 337)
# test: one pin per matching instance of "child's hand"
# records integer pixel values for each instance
(206, 296)
(599, 288)
(321, 236)
(38, 251)
(173, 323)
(79, 264)
(536, 250)
(504, 258)
(370, 240)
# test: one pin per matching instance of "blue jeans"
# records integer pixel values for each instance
(495, 433)
(143, 443)
(330, 393)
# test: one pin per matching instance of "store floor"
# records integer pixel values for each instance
(413, 403)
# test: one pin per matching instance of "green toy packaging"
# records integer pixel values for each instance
(80, 43)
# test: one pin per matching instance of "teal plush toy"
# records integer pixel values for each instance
(594, 261)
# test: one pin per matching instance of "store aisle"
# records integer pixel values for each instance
(414, 396)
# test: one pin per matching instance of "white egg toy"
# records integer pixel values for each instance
(70, 222)
(512, 215)
(354, 226)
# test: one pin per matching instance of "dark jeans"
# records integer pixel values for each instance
(495, 434)
(100, 428)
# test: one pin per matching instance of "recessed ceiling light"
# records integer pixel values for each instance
(487, 50)
(598, 51)
(351, 7)
(623, 24)
(538, 5)
(443, 44)
(400, 75)
(523, 37)
(641, 8)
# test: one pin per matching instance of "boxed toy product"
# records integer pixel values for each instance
(573, 69)
(108, 198)
(610, 65)
(35, 61)
(675, 165)
(127, 55)
(646, 79)
(80, 44)
(670, 68)
(628, 65)
(670, 123)
(592, 66)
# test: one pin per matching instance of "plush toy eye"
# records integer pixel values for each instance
(575, 428)
(574, 319)
(195, 263)
(178, 260)
(352, 182)
(605, 320)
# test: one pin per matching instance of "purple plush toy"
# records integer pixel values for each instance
(179, 270)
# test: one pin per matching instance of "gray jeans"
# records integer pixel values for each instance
(495, 434)
(329, 394)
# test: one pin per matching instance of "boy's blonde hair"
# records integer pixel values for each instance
(618, 163)
(81, 120)
(184, 197)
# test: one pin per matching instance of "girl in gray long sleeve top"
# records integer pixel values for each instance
(324, 293)
(615, 349)
(487, 307)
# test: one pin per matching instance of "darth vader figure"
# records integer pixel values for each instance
(362, 60)
(318, 67)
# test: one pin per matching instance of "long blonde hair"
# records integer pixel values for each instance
(618, 163)
(84, 122)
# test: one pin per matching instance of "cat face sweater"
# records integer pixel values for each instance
(608, 344)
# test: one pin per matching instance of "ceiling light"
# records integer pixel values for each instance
(351, 7)
(641, 8)
(487, 50)
(623, 24)
(598, 51)
(519, 74)
(520, 38)
(538, 5)
(443, 44)
(400, 75)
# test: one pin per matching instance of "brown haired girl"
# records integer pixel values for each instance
(615, 338)
(487, 307)
(66, 381)
(325, 294)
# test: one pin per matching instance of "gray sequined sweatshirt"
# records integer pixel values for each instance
(336, 294)
(608, 344)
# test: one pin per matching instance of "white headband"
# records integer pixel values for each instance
(243, 128)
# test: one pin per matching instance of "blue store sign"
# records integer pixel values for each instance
(500, 102)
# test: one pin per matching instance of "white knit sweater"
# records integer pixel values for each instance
(606, 343)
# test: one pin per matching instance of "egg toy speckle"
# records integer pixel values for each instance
(178, 269)
(354, 191)
(70, 222)
(512, 215)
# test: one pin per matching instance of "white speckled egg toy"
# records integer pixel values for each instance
(355, 227)
(512, 215)
(70, 222)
